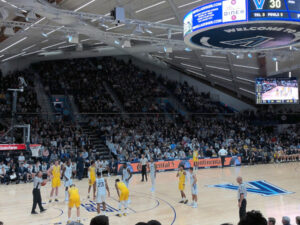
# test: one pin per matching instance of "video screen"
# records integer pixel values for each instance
(277, 91)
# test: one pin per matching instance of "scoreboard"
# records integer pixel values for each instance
(274, 10)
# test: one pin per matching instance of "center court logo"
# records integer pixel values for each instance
(259, 4)
(91, 206)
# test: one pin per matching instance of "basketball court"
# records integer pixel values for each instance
(275, 193)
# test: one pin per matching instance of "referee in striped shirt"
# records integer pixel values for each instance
(242, 195)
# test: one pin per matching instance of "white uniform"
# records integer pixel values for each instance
(194, 188)
(68, 174)
(101, 190)
(126, 176)
(152, 175)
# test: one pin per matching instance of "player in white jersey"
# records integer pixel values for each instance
(102, 187)
(152, 168)
(67, 176)
(194, 187)
(126, 175)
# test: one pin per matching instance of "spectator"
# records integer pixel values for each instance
(253, 218)
(100, 220)
(21, 158)
(153, 222)
(271, 221)
(298, 220)
(286, 220)
(22, 173)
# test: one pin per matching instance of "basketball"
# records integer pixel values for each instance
(44, 183)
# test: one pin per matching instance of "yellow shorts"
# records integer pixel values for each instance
(195, 160)
(92, 180)
(74, 202)
(181, 186)
(124, 196)
(55, 182)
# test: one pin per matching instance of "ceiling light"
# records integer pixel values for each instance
(184, 64)
(187, 4)
(165, 20)
(12, 57)
(67, 46)
(245, 79)
(31, 46)
(17, 42)
(188, 50)
(250, 92)
(179, 57)
(85, 40)
(117, 42)
(161, 35)
(54, 30)
(216, 67)
(40, 20)
(31, 53)
(214, 56)
(51, 53)
(50, 46)
(200, 74)
(148, 31)
(219, 77)
(248, 67)
(250, 55)
(84, 5)
(114, 27)
(150, 6)
(1, 56)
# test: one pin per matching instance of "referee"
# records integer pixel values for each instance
(222, 153)
(242, 195)
(144, 162)
(36, 192)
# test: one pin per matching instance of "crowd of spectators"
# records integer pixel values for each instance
(80, 78)
(27, 100)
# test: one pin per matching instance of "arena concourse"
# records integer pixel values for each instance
(111, 113)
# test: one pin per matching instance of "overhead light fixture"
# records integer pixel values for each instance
(31, 53)
(148, 31)
(245, 90)
(126, 44)
(17, 42)
(250, 56)
(84, 5)
(150, 6)
(117, 42)
(98, 43)
(40, 20)
(248, 67)
(114, 27)
(214, 56)
(14, 6)
(188, 50)
(67, 46)
(165, 20)
(245, 79)
(187, 4)
(184, 64)
(200, 74)
(12, 57)
(31, 46)
(1, 56)
(161, 35)
(179, 57)
(51, 46)
(51, 53)
(44, 34)
(85, 40)
(54, 30)
(219, 77)
(290, 73)
(216, 67)
(168, 49)
(276, 66)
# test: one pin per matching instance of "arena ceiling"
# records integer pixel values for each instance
(152, 30)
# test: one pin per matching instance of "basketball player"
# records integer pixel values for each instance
(123, 194)
(102, 187)
(67, 172)
(195, 159)
(92, 179)
(181, 174)
(126, 175)
(74, 200)
(54, 173)
(152, 168)
(194, 187)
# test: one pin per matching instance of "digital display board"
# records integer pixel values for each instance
(277, 91)
(243, 24)
(274, 10)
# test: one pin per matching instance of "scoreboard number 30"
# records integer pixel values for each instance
(275, 4)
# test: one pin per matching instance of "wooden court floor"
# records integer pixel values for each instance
(215, 205)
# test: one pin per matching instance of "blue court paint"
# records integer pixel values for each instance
(257, 187)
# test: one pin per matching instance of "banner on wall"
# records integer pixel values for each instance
(35, 148)
(174, 164)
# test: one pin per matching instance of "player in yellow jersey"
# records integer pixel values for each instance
(74, 200)
(181, 174)
(54, 173)
(92, 179)
(123, 194)
(195, 159)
